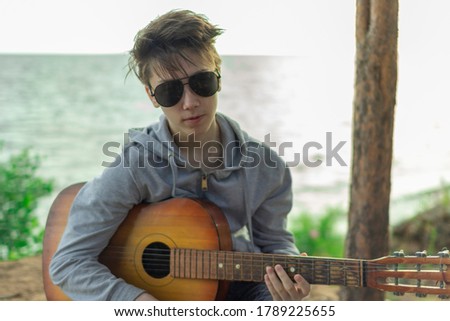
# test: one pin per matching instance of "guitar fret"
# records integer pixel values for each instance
(205, 266)
(181, 262)
(361, 273)
(178, 269)
(198, 266)
(337, 273)
(257, 268)
(237, 266)
(194, 264)
(320, 272)
(187, 265)
(200, 274)
(213, 265)
(344, 269)
(251, 268)
(304, 271)
(208, 265)
(173, 263)
(268, 261)
(229, 266)
(325, 269)
(352, 274)
(220, 266)
(247, 267)
(328, 272)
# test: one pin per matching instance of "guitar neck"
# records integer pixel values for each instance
(239, 266)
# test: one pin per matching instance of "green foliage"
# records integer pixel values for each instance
(318, 235)
(445, 196)
(20, 188)
(428, 228)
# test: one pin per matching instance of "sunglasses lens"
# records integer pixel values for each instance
(169, 93)
(204, 84)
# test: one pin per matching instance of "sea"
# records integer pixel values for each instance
(65, 108)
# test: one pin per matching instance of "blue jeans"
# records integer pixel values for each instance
(248, 291)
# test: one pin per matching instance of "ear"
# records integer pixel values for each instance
(152, 98)
(220, 84)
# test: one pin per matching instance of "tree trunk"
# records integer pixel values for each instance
(373, 122)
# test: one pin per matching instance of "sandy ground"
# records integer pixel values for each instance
(22, 281)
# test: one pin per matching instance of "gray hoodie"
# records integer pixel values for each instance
(252, 188)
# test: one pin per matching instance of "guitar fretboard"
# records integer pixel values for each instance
(237, 266)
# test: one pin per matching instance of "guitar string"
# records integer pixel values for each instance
(158, 268)
(438, 259)
(268, 258)
(315, 259)
(257, 275)
(121, 249)
(331, 278)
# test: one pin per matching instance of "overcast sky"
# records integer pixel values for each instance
(252, 26)
(105, 26)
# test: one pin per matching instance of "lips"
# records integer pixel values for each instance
(193, 118)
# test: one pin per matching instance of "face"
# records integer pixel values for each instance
(193, 114)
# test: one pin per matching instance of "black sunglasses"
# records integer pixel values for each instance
(169, 93)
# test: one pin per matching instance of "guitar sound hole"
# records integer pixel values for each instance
(156, 260)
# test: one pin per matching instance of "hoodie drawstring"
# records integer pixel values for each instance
(248, 213)
(174, 169)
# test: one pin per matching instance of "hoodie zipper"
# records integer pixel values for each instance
(204, 182)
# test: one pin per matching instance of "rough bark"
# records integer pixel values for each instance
(373, 122)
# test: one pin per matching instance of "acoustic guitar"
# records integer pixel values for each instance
(181, 249)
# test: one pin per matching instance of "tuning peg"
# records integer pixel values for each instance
(421, 295)
(421, 253)
(444, 252)
(399, 253)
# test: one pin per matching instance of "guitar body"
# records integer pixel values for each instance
(149, 231)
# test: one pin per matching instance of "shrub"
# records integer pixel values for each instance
(20, 189)
(318, 235)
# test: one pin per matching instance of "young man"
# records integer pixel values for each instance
(175, 59)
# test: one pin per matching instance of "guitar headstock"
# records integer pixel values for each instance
(420, 274)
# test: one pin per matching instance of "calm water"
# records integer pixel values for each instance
(67, 107)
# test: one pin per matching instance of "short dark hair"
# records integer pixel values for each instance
(177, 34)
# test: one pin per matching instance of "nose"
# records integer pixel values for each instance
(189, 99)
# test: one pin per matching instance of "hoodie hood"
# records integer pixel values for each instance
(158, 140)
